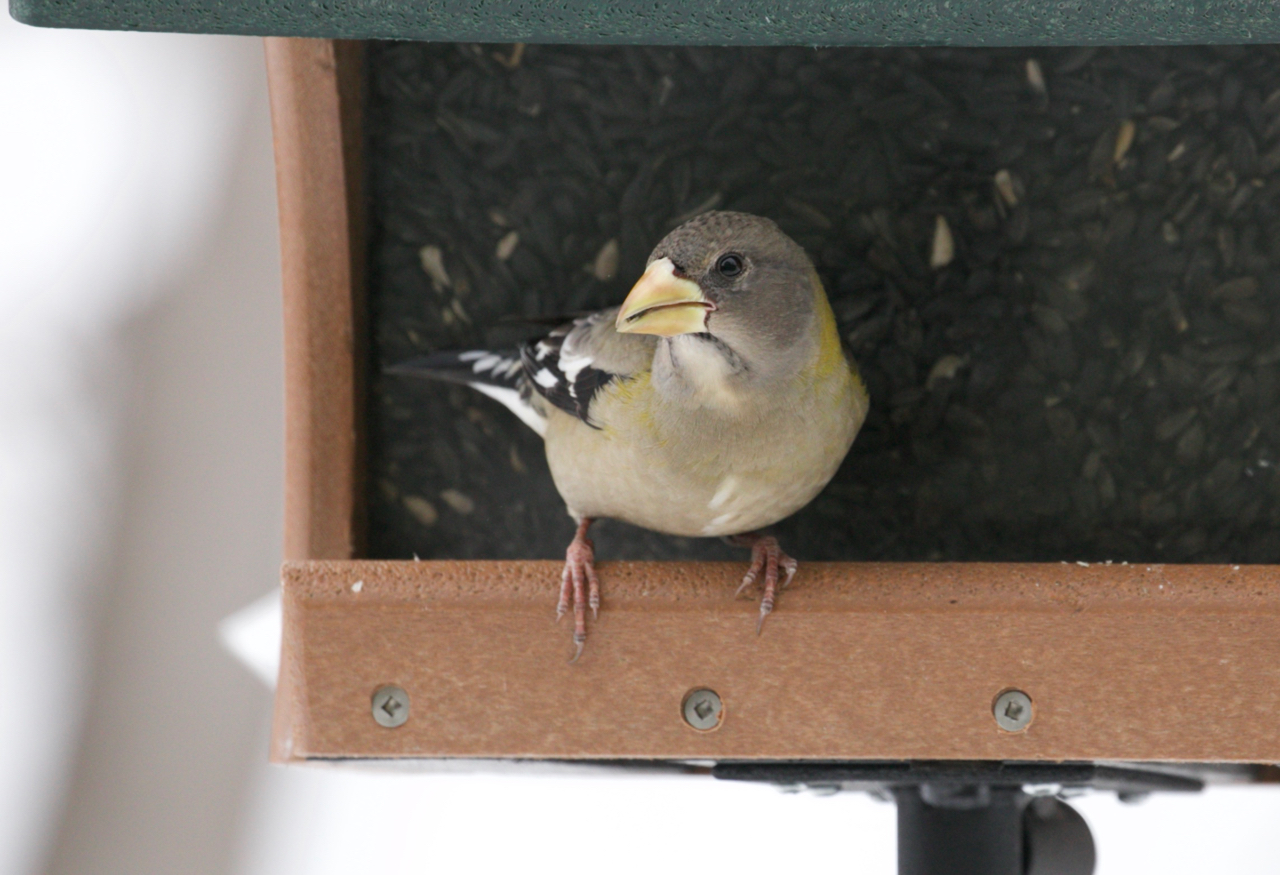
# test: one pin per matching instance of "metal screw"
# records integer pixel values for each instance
(390, 706)
(702, 709)
(1013, 710)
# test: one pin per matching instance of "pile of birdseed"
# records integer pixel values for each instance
(1059, 271)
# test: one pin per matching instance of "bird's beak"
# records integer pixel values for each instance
(664, 304)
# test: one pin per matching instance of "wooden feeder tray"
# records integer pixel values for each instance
(863, 662)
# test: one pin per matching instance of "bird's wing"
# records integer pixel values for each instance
(572, 364)
(500, 375)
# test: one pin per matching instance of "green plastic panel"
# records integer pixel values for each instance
(690, 22)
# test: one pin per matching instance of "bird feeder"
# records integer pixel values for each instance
(863, 661)
(867, 669)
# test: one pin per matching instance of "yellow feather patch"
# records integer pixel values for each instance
(635, 395)
(831, 361)
(830, 352)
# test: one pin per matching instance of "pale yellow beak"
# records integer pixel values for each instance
(664, 304)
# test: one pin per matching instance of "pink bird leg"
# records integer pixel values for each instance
(766, 556)
(579, 573)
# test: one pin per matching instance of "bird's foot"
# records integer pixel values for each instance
(579, 575)
(766, 557)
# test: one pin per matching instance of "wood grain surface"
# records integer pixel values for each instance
(315, 115)
(860, 661)
(315, 91)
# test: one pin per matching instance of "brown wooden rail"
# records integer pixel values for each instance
(1172, 663)
(315, 114)
(860, 661)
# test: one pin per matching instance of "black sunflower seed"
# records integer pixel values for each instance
(1114, 325)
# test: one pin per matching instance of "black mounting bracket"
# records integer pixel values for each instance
(979, 818)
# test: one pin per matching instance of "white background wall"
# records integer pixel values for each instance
(140, 483)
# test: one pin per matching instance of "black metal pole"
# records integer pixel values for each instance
(973, 830)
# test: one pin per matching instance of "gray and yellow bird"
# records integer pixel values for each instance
(715, 401)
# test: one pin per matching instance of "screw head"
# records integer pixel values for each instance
(1012, 710)
(390, 706)
(702, 709)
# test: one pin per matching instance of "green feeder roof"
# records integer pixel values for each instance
(690, 22)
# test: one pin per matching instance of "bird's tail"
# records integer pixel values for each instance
(500, 375)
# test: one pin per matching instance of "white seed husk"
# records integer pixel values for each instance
(1006, 188)
(458, 501)
(422, 510)
(945, 368)
(1124, 139)
(507, 245)
(605, 267)
(432, 259)
(1035, 76)
(944, 245)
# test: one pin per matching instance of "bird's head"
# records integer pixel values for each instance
(733, 276)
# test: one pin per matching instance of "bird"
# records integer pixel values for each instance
(716, 400)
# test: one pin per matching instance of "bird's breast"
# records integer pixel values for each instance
(698, 474)
(744, 503)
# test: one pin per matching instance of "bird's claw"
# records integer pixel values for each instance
(579, 587)
(767, 558)
(566, 588)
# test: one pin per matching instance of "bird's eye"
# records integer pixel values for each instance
(729, 265)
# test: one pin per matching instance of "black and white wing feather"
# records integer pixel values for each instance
(500, 375)
(561, 370)
(567, 368)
